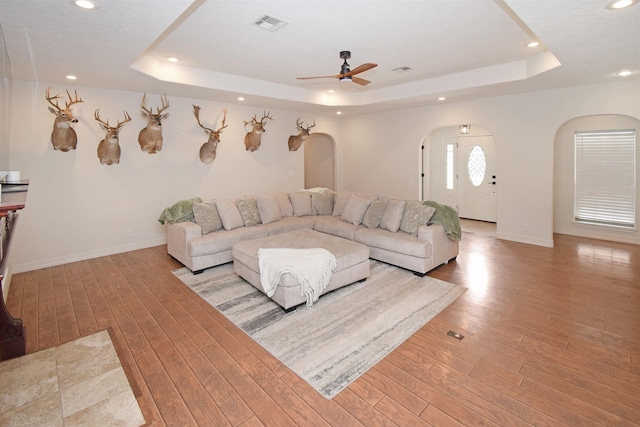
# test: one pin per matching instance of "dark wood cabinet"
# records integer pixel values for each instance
(12, 332)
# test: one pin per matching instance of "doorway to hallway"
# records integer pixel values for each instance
(461, 171)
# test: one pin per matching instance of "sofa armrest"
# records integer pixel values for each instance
(178, 235)
(443, 249)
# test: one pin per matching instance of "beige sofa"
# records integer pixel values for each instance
(395, 230)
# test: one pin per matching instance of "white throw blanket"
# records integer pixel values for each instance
(312, 268)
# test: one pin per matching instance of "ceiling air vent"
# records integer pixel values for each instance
(401, 69)
(269, 23)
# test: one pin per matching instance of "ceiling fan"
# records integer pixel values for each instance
(347, 74)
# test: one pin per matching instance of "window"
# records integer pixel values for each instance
(449, 166)
(477, 165)
(605, 177)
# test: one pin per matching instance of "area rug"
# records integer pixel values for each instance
(343, 334)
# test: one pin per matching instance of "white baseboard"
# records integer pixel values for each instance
(525, 239)
(624, 236)
(52, 262)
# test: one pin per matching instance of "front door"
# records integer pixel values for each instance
(477, 179)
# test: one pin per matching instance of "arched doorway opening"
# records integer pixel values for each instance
(460, 170)
(319, 161)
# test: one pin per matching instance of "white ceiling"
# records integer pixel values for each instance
(459, 49)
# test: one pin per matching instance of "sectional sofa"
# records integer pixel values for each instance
(398, 232)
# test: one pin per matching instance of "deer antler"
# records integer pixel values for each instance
(313, 125)
(96, 115)
(301, 128)
(253, 121)
(49, 98)
(265, 116)
(196, 112)
(127, 118)
(72, 101)
(143, 105)
(165, 104)
(224, 118)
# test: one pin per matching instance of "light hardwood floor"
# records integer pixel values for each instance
(550, 339)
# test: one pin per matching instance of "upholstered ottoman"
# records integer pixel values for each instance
(352, 261)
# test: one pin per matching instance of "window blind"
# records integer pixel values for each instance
(605, 177)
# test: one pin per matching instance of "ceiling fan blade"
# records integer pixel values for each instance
(320, 77)
(360, 81)
(362, 68)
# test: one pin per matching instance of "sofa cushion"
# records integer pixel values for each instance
(322, 203)
(207, 216)
(301, 202)
(335, 226)
(415, 214)
(268, 208)
(374, 213)
(229, 214)
(223, 240)
(288, 224)
(285, 204)
(248, 208)
(402, 243)
(355, 209)
(392, 216)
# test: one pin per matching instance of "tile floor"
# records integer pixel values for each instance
(80, 383)
(478, 227)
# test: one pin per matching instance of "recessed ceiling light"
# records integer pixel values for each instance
(85, 4)
(331, 91)
(442, 98)
(71, 77)
(621, 4)
(625, 73)
(338, 112)
(172, 59)
(533, 44)
(240, 98)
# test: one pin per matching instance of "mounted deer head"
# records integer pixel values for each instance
(295, 141)
(208, 149)
(150, 138)
(252, 139)
(108, 148)
(63, 137)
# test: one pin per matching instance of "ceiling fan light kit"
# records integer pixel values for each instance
(346, 74)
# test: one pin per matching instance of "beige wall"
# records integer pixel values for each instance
(79, 209)
(382, 152)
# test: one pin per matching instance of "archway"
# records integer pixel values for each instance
(564, 178)
(319, 161)
(460, 170)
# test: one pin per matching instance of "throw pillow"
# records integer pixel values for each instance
(373, 215)
(229, 214)
(340, 201)
(392, 215)
(355, 209)
(285, 204)
(249, 211)
(322, 203)
(301, 202)
(207, 216)
(415, 215)
(268, 208)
